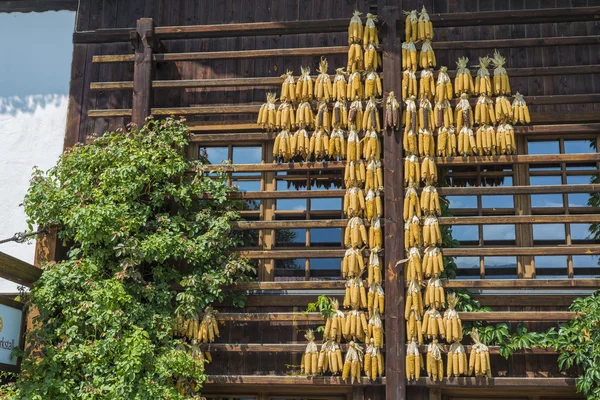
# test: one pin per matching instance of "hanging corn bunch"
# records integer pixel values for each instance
(520, 110)
(463, 113)
(409, 84)
(304, 85)
(443, 86)
(431, 231)
(427, 56)
(352, 263)
(300, 144)
(505, 139)
(411, 27)
(500, 81)
(446, 143)
(354, 202)
(375, 299)
(370, 31)
(267, 114)
(375, 235)
(457, 360)
(355, 29)
(339, 85)
(353, 363)
(324, 87)
(409, 52)
(463, 82)
(354, 146)
(414, 266)
(434, 293)
(479, 359)
(426, 84)
(442, 114)
(466, 142)
(356, 233)
(485, 111)
(483, 84)
(304, 116)
(355, 115)
(413, 236)
(337, 144)
(435, 364)
(370, 204)
(453, 324)
(371, 116)
(282, 148)
(374, 270)
(310, 358)
(354, 173)
(414, 326)
(426, 143)
(355, 295)
(410, 141)
(428, 171)
(411, 204)
(323, 120)
(485, 139)
(412, 170)
(433, 262)
(203, 331)
(318, 145)
(503, 109)
(373, 85)
(392, 108)
(288, 87)
(374, 178)
(374, 363)
(410, 115)
(356, 60)
(335, 323)
(433, 324)
(414, 300)
(375, 330)
(424, 26)
(330, 358)
(284, 119)
(199, 355)
(356, 325)
(430, 201)
(414, 361)
(372, 146)
(340, 115)
(425, 115)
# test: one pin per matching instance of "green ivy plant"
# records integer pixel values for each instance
(136, 217)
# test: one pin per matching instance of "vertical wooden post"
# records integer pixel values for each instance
(266, 270)
(525, 264)
(143, 71)
(393, 199)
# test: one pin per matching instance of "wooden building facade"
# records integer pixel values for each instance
(212, 61)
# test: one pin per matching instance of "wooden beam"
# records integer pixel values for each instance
(482, 284)
(18, 271)
(506, 316)
(513, 383)
(288, 380)
(143, 71)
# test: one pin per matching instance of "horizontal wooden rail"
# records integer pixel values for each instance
(301, 347)
(508, 383)
(271, 81)
(342, 223)
(517, 43)
(465, 316)
(487, 284)
(288, 380)
(18, 271)
(455, 252)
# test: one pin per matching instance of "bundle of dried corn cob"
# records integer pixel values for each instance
(339, 85)
(371, 116)
(310, 357)
(375, 330)
(300, 144)
(356, 233)
(282, 148)
(318, 145)
(500, 81)
(413, 235)
(463, 82)
(352, 363)
(433, 262)
(434, 293)
(337, 144)
(485, 111)
(355, 173)
(324, 87)
(375, 299)
(370, 204)
(414, 300)
(323, 120)
(304, 85)
(505, 139)
(330, 358)
(424, 26)
(414, 361)
(354, 202)
(411, 204)
(335, 323)
(443, 86)
(373, 85)
(288, 87)
(442, 114)
(430, 201)
(409, 84)
(433, 324)
(479, 359)
(340, 115)
(375, 235)
(428, 171)
(392, 108)
(426, 143)
(374, 363)
(463, 113)
(374, 177)
(285, 119)
(453, 324)
(304, 115)
(466, 142)
(409, 53)
(457, 360)
(202, 331)
(356, 325)
(485, 139)
(483, 84)
(374, 268)
(355, 29)
(435, 364)
(427, 56)
(414, 326)
(414, 266)
(426, 84)
(355, 295)
(412, 170)
(447, 142)
(370, 31)
(352, 263)
(372, 146)
(503, 109)
(520, 110)
(411, 26)
(267, 114)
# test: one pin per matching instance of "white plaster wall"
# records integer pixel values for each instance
(35, 64)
